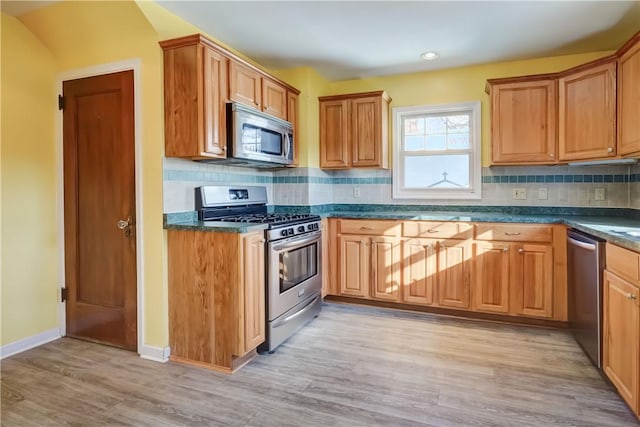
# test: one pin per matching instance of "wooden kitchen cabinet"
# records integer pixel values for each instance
(491, 282)
(354, 130)
(274, 99)
(532, 282)
(216, 297)
(629, 98)
(587, 112)
(621, 323)
(453, 288)
(523, 121)
(419, 271)
(354, 265)
(195, 81)
(245, 85)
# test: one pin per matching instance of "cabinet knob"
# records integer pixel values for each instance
(551, 155)
(505, 249)
(610, 150)
(632, 296)
(520, 250)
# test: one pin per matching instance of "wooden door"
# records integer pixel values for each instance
(245, 85)
(99, 209)
(523, 122)
(629, 101)
(532, 280)
(334, 134)
(419, 259)
(215, 98)
(587, 114)
(366, 131)
(621, 337)
(491, 277)
(254, 302)
(274, 99)
(292, 117)
(354, 265)
(385, 268)
(453, 274)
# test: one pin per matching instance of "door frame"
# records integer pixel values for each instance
(112, 67)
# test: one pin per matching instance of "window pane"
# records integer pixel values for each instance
(414, 142)
(436, 125)
(458, 141)
(414, 126)
(458, 123)
(436, 172)
(437, 142)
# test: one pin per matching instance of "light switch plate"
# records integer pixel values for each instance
(600, 194)
(543, 193)
(356, 192)
(519, 194)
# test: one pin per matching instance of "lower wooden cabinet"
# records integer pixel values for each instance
(507, 269)
(216, 297)
(621, 323)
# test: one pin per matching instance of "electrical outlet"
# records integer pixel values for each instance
(356, 192)
(543, 193)
(519, 193)
(600, 194)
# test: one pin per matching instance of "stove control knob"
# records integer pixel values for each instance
(301, 229)
(290, 231)
(283, 232)
(310, 227)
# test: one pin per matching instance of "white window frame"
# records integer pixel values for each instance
(475, 166)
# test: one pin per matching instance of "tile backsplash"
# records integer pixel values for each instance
(566, 186)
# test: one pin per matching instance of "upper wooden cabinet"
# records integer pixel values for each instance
(629, 98)
(587, 113)
(195, 92)
(354, 130)
(524, 116)
(200, 78)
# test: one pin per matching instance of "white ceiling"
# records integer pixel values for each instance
(351, 39)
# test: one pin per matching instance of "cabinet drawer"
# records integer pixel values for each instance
(515, 232)
(376, 228)
(437, 230)
(623, 262)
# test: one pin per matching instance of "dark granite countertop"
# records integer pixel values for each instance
(606, 223)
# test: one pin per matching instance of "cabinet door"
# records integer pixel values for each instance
(629, 101)
(385, 268)
(420, 267)
(491, 277)
(215, 96)
(254, 290)
(366, 131)
(274, 99)
(334, 134)
(453, 274)
(292, 117)
(523, 122)
(354, 266)
(587, 113)
(245, 85)
(532, 280)
(621, 336)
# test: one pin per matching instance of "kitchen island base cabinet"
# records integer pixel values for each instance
(216, 297)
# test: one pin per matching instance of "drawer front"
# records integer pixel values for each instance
(374, 228)
(437, 230)
(623, 262)
(515, 232)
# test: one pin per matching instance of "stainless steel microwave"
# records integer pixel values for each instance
(258, 137)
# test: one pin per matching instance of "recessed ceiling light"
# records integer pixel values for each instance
(428, 56)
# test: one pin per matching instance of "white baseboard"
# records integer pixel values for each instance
(157, 354)
(29, 342)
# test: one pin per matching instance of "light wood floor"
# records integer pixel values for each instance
(352, 366)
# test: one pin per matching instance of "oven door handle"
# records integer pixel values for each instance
(296, 243)
(298, 313)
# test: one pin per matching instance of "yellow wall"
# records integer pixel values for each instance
(87, 34)
(28, 153)
(458, 85)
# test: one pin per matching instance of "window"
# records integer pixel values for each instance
(437, 152)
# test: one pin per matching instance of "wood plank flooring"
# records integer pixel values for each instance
(352, 366)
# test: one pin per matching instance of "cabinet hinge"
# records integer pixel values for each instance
(61, 102)
(63, 294)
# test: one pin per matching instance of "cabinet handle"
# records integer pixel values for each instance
(365, 228)
(551, 155)
(431, 230)
(520, 250)
(505, 249)
(610, 150)
(632, 296)
(262, 240)
(512, 234)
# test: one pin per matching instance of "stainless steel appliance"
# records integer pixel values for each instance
(258, 139)
(293, 255)
(585, 262)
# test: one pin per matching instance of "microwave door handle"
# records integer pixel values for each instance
(288, 145)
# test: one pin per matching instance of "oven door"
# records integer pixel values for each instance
(294, 272)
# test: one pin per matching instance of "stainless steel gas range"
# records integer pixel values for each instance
(293, 255)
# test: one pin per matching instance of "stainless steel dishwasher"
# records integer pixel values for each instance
(585, 264)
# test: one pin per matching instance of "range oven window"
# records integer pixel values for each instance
(260, 140)
(298, 265)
